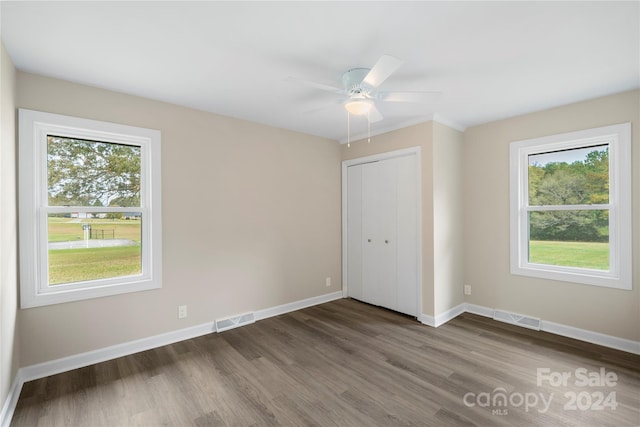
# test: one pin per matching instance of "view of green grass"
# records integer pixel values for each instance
(75, 265)
(570, 254)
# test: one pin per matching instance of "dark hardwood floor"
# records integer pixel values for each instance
(346, 363)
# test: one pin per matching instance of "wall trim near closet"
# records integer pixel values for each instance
(442, 318)
(412, 151)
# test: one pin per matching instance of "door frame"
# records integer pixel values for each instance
(412, 151)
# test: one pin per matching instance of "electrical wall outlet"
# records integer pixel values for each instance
(182, 311)
(327, 282)
(467, 289)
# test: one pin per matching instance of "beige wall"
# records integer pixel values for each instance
(251, 220)
(9, 339)
(447, 218)
(486, 222)
(441, 226)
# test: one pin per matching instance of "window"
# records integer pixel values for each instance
(90, 223)
(571, 207)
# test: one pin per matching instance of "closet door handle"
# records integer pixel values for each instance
(386, 241)
(369, 240)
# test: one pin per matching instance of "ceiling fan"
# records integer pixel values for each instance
(360, 86)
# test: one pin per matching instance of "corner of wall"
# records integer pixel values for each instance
(447, 219)
(9, 345)
(486, 222)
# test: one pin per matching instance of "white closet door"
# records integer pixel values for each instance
(379, 233)
(382, 233)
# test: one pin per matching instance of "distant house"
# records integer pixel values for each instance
(82, 215)
(132, 215)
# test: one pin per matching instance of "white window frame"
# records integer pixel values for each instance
(618, 138)
(34, 127)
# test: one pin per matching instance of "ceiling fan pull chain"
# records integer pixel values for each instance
(368, 127)
(348, 131)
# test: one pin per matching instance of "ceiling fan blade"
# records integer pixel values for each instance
(315, 85)
(385, 66)
(417, 97)
(374, 115)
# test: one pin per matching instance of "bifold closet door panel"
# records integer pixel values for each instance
(354, 232)
(382, 233)
(379, 222)
(407, 235)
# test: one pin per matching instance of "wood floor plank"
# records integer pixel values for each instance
(343, 363)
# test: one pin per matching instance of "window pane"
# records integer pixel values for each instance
(92, 173)
(84, 246)
(574, 238)
(569, 177)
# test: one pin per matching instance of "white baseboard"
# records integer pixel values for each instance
(604, 340)
(479, 310)
(427, 320)
(452, 313)
(12, 400)
(551, 327)
(296, 305)
(442, 318)
(592, 337)
(75, 361)
(64, 364)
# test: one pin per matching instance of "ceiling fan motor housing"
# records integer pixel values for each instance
(352, 82)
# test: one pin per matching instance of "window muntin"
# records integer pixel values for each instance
(90, 199)
(571, 207)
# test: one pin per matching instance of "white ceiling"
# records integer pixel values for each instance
(491, 60)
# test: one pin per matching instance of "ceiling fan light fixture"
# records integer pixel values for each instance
(358, 107)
